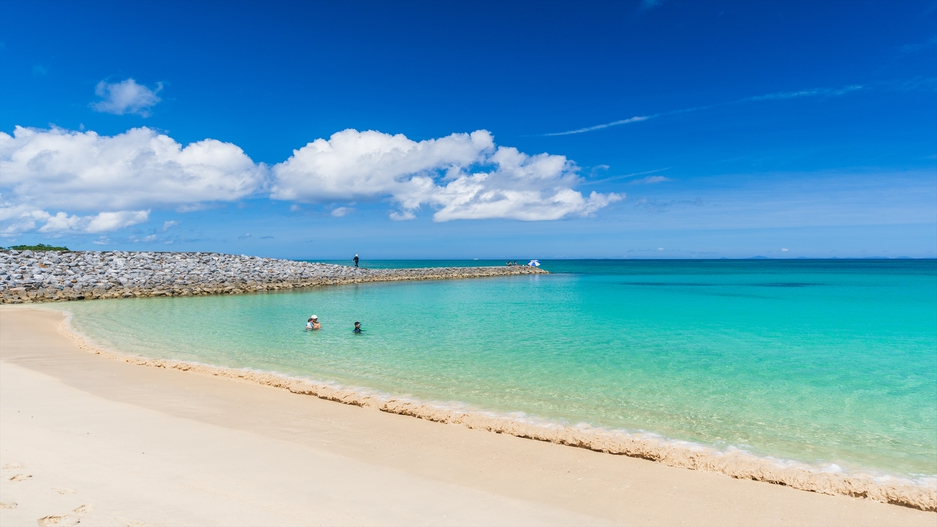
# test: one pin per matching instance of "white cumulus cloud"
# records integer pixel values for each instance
(61, 181)
(17, 219)
(116, 179)
(126, 97)
(101, 222)
(137, 169)
(354, 164)
(461, 176)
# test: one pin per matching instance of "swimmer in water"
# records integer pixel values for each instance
(313, 323)
(357, 327)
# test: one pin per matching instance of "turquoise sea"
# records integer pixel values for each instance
(827, 362)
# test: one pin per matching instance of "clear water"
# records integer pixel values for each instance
(400, 264)
(816, 361)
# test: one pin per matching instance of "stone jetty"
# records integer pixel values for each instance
(48, 276)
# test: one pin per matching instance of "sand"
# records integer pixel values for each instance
(90, 439)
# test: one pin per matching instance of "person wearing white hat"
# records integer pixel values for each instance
(313, 323)
(356, 260)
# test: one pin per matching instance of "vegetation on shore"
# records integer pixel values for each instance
(38, 247)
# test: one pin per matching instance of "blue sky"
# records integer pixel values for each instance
(675, 129)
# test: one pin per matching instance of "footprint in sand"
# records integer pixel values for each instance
(63, 490)
(7, 505)
(72, 518)
(12, 465)
(49, 521)
(21, 477)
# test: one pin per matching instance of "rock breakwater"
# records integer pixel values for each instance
(47, 276)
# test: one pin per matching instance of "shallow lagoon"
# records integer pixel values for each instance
(818, 361)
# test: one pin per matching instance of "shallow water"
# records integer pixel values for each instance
(817, 361)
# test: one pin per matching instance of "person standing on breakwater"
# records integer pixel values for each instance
(356, 260)
(357, 328)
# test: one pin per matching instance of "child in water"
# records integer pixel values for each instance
(357, 327)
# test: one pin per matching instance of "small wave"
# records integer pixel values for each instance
(787, 284)
(919, 493)
(673, 284)
(712, 284)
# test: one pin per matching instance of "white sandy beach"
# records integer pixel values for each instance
(100, 441)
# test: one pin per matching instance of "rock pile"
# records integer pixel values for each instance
(44, 276)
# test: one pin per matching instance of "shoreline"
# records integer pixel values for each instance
(738, 464)
(544, 483)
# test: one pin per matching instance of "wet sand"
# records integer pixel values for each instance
(106, 442)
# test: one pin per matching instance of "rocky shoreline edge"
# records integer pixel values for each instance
(51, 276)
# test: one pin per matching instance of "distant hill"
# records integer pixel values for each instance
(39, 247)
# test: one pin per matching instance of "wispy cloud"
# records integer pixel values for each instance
(919, 46)
(125, 97)
(650, 180)
(914, 84)
(625, 176)
(816, 92)
(653, 206)
(635, 119)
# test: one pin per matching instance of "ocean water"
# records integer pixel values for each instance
(819, 361)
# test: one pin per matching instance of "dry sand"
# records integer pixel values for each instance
(84, 438)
